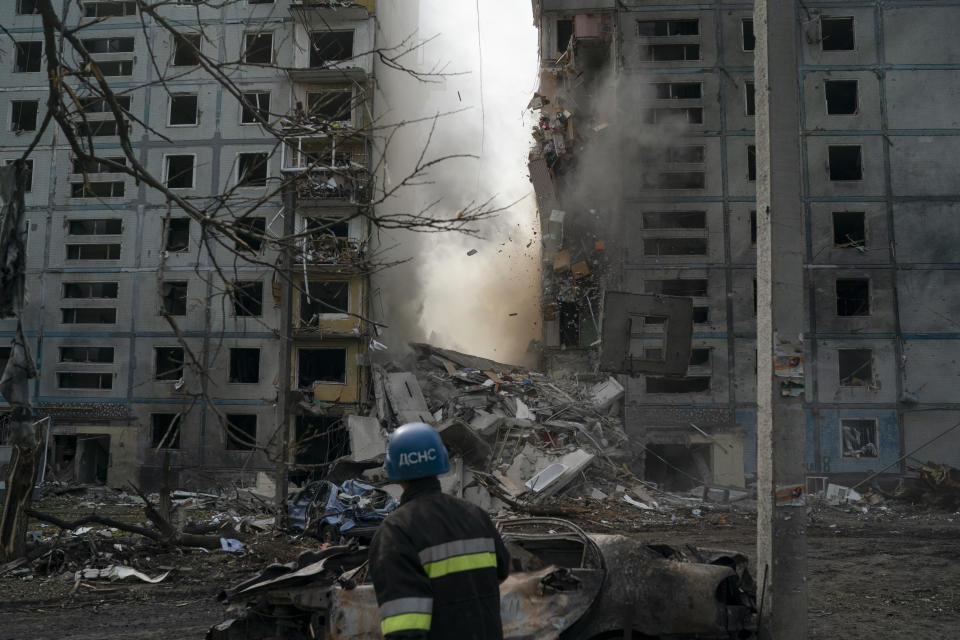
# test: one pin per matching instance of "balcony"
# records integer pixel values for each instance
(331, 253)
(347, 9)
(332, 164)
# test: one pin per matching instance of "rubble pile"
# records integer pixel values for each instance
(520, 441)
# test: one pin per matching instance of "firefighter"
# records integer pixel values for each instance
(437, 561)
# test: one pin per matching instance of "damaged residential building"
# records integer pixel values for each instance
(124, 392)
(644, 169)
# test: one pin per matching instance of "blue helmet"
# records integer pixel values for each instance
(416, 451)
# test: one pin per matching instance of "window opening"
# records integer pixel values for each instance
(255, 107)
(330, 46)
(678, 90)
(320, 440)
(689, 384)
(108, 45)
(173, 297)
(88, 315)
(564, 33)
(859, 438)
(240, 432)
(98, 166)
(674, 219)
(335, 106)
(186, 50)
(750, 98)
(841, 97)
(675, 246)
(679, 287)
(252, 169)
(668, 28)
(180, 172)
(259, 48)
(849, 229)
(855, 367)
(90, 289)
(845, 162)
(165, 430)
(853, 297)
(746, 32)
(326, 297)
(247, 298)
(178, 234)
(183, 110)
(169, 363)
(97, 355)
(670, 52)
(27, 174)
(24, 115)
(245, 366)
(93, 251)
(97, 189)
(321, 365)
(751, 163)
(28, 57)
(84, 380)
(836, 34)
(250, 232)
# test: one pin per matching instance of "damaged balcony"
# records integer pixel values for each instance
(329, 308)
(332, 166)
(327, 246)
(333, 41)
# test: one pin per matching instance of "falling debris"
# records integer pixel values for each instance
(471, 252)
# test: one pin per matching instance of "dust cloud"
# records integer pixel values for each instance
(479, 294)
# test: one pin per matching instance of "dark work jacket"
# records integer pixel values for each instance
(436, 564)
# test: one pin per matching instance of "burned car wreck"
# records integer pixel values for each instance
(564, 584)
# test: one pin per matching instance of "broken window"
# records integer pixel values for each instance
(92, 104)
(98, 355)
(669, 52)
(255, 107)
(674, 219)
(321, 365)
(186, 50)
(90, 289)
(689, 384)
(180, 171)
(259, 48)
(330, 46)
(859, 438)
(335, 106)
(678, 90)
(28, 57)
(320, 439)
(183, 110)
(109, 8)
(753, 227)
(678, 180)
(855, 367)
(332, 228)
(326, 297)
(168, 363)
(27, 174)
(93, 251)
(88, 315)
(4, 356)
(173, 298)
(245, 366)
(247, 298)
(101, 128)
(178, 234)
(240, 431)
(748, 40)
(252, 169)
(849, 229)
(701, 315)
(678, 287)
(165, 430)
(751, 162)
(841, 96)
(109, 68)
(666, 28)
(250, 233)
(564, 33)
(98, 166)
(113, 189)
(23, 115)
(836, 34)
(27, 7)
(569, 324)
(95, 227)
(750, 98)
(845, 162)
(853, 297)
(84, 380)
(675, 246)
(108, 45)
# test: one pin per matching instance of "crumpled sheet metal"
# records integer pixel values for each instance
(540, 605)
(277, 576)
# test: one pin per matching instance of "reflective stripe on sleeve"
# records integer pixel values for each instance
(457, 548)
(406, 605)
(467, 562)
(405, 622)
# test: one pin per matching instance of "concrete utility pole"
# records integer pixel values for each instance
(285, 267)
(781, 424)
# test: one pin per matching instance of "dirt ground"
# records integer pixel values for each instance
(889, 573)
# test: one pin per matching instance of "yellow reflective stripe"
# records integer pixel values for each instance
(404, 622)
(466, 562)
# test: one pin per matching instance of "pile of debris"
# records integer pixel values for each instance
(517, 438)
